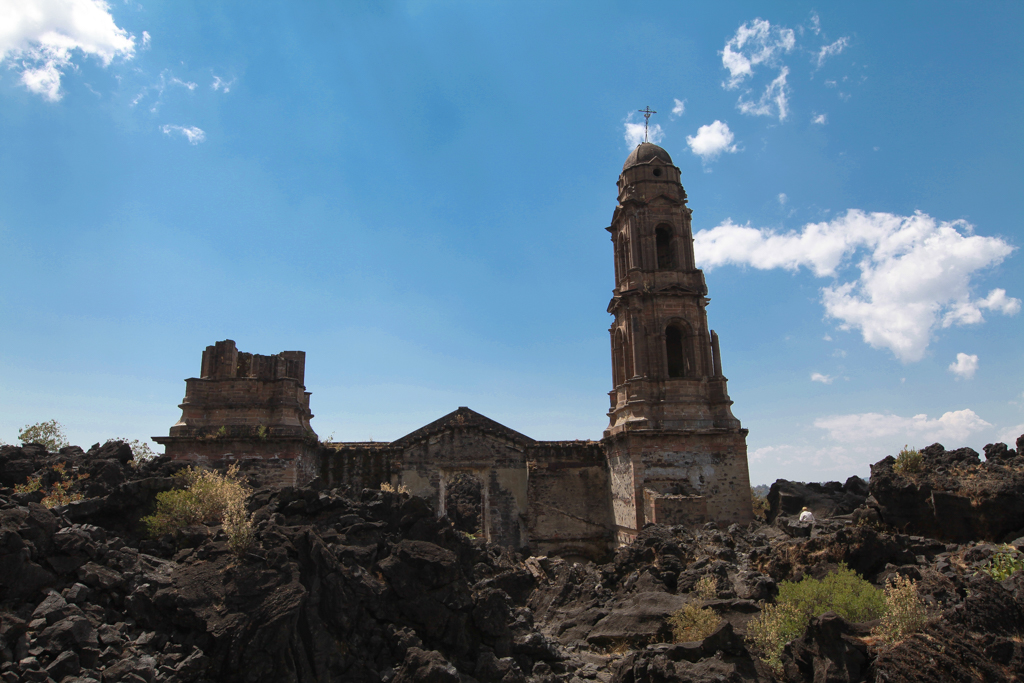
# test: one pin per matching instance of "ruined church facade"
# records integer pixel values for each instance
(672, 453)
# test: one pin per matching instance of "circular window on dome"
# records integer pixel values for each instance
(657, 172)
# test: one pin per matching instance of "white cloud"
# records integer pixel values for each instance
(222, 85)
(754, 44)
(831, 50)
(967, 312)
(914, 271)
(635, 132)
(824, 379)
(783, 198)
(41, 36)
(145, 39)
(774, 99)
(815, 23)
(194, 135)
(819, 119)
(1009, 436)
(954, 425)
(679, 109)
(185, 84)
(827, 337)
(712, 140)
(964, 366)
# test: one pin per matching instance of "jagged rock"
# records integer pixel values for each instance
(426, 667)
(636, 618)
(377, 587)
(955, 497)
(831, 651)
(824, 500)
(65, 664)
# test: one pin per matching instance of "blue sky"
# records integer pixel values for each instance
(415, 194)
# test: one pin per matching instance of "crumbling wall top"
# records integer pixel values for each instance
(223, 360)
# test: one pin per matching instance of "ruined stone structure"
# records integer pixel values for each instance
(673, 452)
(245, 406)
(676, 454)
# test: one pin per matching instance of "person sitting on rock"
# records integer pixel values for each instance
(806, 515)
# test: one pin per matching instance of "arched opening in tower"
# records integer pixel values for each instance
(663, 242)
(674, 351)
(464, 502)
(618, 359)
(621, 257)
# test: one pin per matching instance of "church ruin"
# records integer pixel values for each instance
(672, 453)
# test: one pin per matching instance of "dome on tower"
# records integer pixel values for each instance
(644, 153)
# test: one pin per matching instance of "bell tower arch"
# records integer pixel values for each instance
(676, 452)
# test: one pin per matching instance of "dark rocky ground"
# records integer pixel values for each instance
(371, 586)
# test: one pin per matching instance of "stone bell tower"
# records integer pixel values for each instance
(676, 454)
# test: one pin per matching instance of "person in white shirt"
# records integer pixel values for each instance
(806, 515)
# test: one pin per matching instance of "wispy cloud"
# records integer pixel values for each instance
(915, 272)
(831, 50)
(711, 140)
(222, 85)
(773, 101)
(754, 44)
(679, 109)
(145, 39)
(192, 133)
(824, 379)
(820, 119)
(43, 36)
(964, 366)
(783, 198)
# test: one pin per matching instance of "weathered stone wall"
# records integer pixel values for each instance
(569, 507)
(356, 465)
(427, 462)
(663, 508)
(709, 463)
(622, 489)
(247, 406)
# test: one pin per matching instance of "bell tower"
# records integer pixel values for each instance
(676, 454)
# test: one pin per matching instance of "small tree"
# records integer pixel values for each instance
(49, 434)
(141, 452)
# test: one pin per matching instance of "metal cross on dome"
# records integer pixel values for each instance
(646, 111)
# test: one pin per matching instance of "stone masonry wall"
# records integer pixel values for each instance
(569, 508)
(356, 465)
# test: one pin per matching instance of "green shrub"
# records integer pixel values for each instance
(693, 623)
(772, 629)
(59, 493)
(49, 434)
(1004, 564)
(905, 611)
(842, 592)
(706, 587)
(909, 461)
(206, 497)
